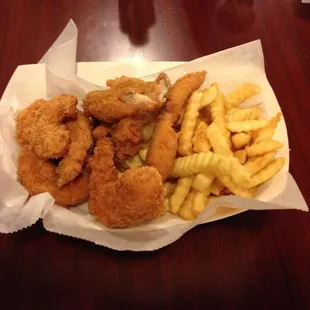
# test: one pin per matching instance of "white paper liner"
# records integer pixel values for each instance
(230, 68)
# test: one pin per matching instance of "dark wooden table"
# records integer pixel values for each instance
(257, 260)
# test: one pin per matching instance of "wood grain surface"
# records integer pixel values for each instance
(256, 260)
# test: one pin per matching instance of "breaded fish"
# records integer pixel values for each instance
(126, 97)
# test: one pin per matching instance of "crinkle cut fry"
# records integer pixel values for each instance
(214, 163)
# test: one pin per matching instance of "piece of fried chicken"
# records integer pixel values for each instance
(39, 176)
(81, 141)
(164, 143)
(41, 126)
(135, 197)
(126, 97)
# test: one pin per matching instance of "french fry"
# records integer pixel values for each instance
(214, 163)
(202, 182)
(167, 204)
(246, 126)
(262, 147)
(199, 203)
(168, 188)
(240, 140)
(181, 191)
(142, 154)
(200, 140)
(268, 172)
(252, 113)
(241, 156)
(216, 187)
(209, 95)
(217, 111)
(205, 115)
(134, 162)
(266, 133)
(253, 165)
(147, 132)
(218, 141)
(186, 210)
(242, 93)
(189, 123)
(234, 188)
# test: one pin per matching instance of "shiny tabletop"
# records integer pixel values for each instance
(255, 260)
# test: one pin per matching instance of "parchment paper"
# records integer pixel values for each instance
(229, 68)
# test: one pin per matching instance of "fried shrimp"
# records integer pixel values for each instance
(126, 97)
(39, 176)
(81, 141)
(41, 126)
(24, 121)
(122, 202)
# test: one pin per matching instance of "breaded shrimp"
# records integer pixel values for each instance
(48, 137)
(122, 202)
(39, 176)
(81, 141)
(24, 121)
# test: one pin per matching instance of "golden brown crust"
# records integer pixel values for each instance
(163, 147)
(135, 197)
(81, 141)
(127, 137)
(180, 92)
(126, 97)
(39, 176)
(41, 126)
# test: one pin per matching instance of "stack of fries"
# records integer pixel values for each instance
(223, 149)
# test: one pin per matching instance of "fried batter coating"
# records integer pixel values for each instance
(24, 121)
(81, 141)
(40, 126)
(163, 146)
(126, 97)
(180, 92)
(135, 197)
(127, 137)
(39, 176)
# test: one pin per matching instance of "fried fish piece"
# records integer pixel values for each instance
(126, 97)
(163, 147)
